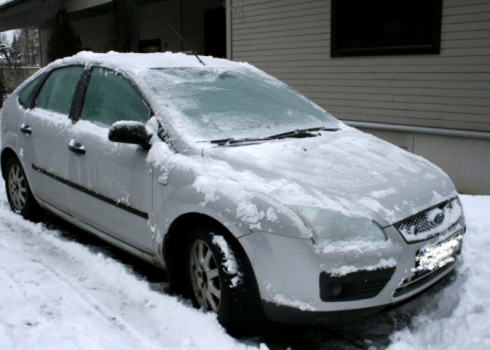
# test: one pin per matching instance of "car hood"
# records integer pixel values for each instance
(347, 171)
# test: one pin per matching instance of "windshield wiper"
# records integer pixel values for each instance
(300, 133)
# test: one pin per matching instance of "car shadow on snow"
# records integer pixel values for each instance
(371, 333)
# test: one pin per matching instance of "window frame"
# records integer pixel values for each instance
(83, 86)
(433, 49)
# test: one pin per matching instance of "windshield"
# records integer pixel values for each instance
(214, 103)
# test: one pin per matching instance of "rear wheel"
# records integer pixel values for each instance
(19, 193)
(220, 279)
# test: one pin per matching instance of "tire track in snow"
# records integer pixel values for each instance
(97, 308)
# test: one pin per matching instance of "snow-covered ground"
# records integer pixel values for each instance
(458, 317)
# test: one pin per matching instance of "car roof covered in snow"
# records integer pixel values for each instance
(133, 63)
(137, 61)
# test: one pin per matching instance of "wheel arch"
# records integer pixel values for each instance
(7, 153)
(175, 244)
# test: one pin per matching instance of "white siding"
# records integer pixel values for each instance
(290, 39)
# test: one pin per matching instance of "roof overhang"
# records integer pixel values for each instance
(38, 14)
(27, 13)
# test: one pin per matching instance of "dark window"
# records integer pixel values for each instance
(26, 92)
(385, 27)
(149, 46)
(215, 32)
(111, 98)
(57, 92)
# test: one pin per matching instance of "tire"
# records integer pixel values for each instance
(238, 305)
(19, 193)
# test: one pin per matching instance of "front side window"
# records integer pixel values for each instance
(111, 98)
(385, 27)
(56, 95)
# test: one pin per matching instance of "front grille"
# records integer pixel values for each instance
(431, 222)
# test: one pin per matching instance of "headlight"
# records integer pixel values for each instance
(334, 227)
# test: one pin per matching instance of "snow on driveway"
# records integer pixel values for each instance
(57, 294)
(458, 317)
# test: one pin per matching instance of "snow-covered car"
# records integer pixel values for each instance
(255, 200)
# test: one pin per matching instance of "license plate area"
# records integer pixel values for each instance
(438, 255)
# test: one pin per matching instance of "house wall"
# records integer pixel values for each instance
(290, 39)
(153, 24)
(93, 32)
(187, 18)
(193, 21)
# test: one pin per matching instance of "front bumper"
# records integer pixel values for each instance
(289, 270)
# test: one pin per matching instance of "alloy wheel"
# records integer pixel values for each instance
(205, 276)
(17, 187)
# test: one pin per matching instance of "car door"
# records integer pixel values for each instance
(44, 139)
(111, 183)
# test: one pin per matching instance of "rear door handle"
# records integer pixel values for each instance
(26, 129)
(76, 147)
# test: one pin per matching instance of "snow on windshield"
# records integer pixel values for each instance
(217, 103)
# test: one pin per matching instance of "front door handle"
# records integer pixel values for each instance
(76, 147)
(26, 129)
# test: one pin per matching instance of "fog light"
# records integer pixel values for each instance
(337, 289)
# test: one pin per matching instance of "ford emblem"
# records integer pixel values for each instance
(439, 219)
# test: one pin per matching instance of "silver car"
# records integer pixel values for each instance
(258, 203)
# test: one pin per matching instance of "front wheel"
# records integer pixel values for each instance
(220, 279)
(19, 193)
(205, 276)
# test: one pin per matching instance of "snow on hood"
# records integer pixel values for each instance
(348, 171)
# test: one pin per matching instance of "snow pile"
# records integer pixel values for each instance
(230, 262)
(346, 269)
(281, 299)
(458, 317)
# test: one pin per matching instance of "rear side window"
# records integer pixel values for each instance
(57, 92)
(111, 98)
(26, 92)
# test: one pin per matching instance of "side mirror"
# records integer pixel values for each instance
(130, 132)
